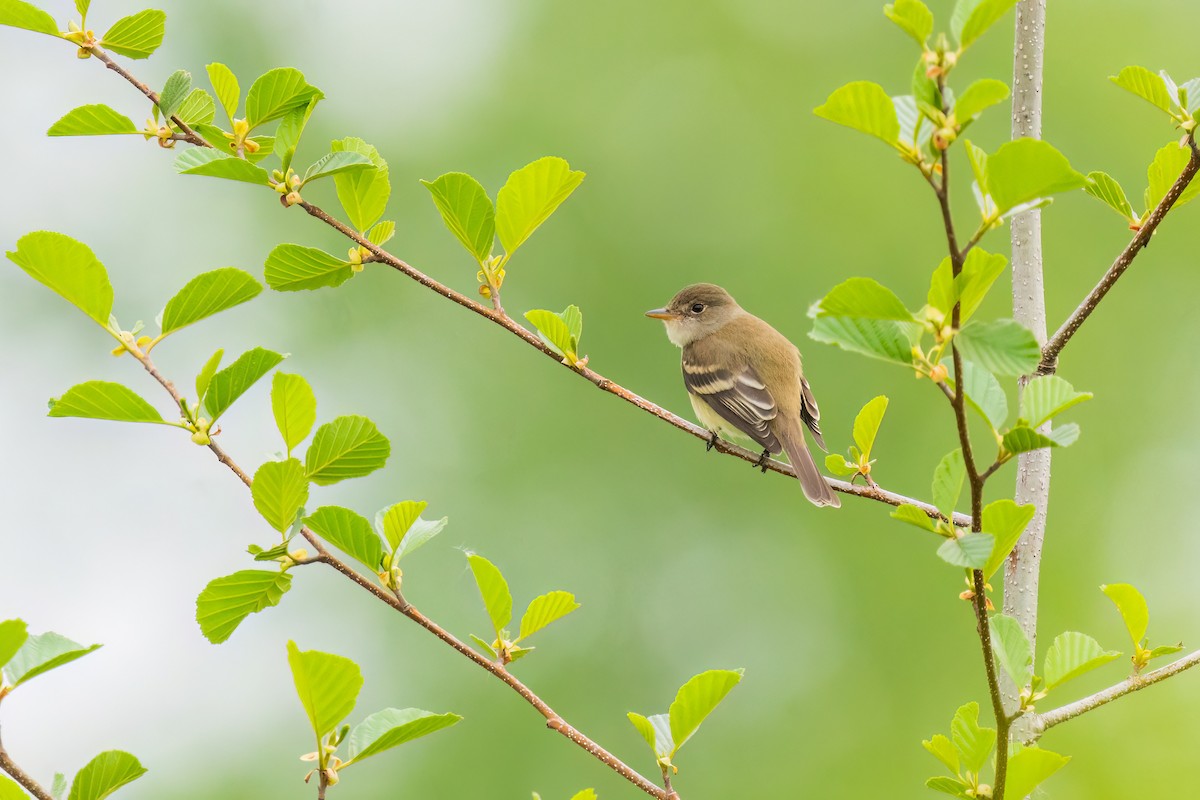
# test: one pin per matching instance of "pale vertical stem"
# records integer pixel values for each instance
(1029, 308)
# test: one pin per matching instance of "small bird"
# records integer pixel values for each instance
(744, 378)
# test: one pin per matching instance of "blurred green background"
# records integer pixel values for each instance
(704, 161)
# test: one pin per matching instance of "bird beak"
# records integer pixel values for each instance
(661, 313)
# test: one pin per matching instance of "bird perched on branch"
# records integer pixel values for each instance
(745, 378)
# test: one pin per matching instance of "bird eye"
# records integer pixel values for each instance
(697, 308)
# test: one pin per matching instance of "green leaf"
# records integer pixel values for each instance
(1168, 164)
(363, 194)
(275, 93)
(225, 87)
(1105, 188)
(292, 267)
(1022, 439)
(494, 591)
(197, 108)
(204, 377)
(943, 750)
(12, 635)
(291, 128)
(973, 743)
(979, 271)
(913, 17)
(948, 481)
(466, 211)
(838, 465)
(348, 447)
(863, 106)
(232, 382)
(1012, 649)
(381, 232)
(215, 164)
(58, 789)
(1132, 605)
(555, 330)
(294, 406)
(970, 550)
(1072, 654)
(104, 774)
(393, 727)
(484, 646)
(349, 532)
(226, 601)
(69, 268)
(948, 785)
(18, 14)
(41, 653)
(913, 516)
(404, 529)
(337, 164)
(279, 490)
(985, 394)
(327, 685)
(1047, 397)
(1025, 170)
(543, 610)
(92, 120)
(1064, 435)
(1028, 768)
(866, 425)
(104, 400)
(697, 699)
(1164, 650)
(865, 317)
(586, 794)
(529, 196)
(1002, 346)
(864, 297)
(972, 18)
(978, 97)
(174, 91)
(208, 294)
(656, 730)
(1005, 521)
(138, 35)
(1145, 84)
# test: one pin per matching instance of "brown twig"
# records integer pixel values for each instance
(21, 776)
(189, 135)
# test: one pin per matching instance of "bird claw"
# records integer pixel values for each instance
(763, 460)
(711, 443)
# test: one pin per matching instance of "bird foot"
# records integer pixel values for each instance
(712, 442)
(763, 460)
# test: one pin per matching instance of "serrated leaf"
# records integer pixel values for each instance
(229, 384)
(972, 18)
(1012, 649)
(327, 685)
(984, 394)
(138, 35)
(910, 119)
(1064, 435)
(208, 294)
(92, 120)
(204, 377)
(1002, 346)
(977, 98)
(292, 268)
(866, 424)
(970, 550)
(279, 490)
(483, 646)
(913, 17)
(1047, 397)
(913, 516)
(978, 159)
(948, 785)
(275, 93)
(363, 194)
(1005, 521)
(696, 699)
(555, 332)
(973, 743)
(1145, 84)
(104, 774)
(18, 14)
(1028, 768)
(13, 634)
(864, 297)
(656, 730)
(404, 529)
(1133, 609)
(466, 210)
(338, 163)
(69, 268)
(294, 406)
(40, 653)
(1168, 164)
(197, 108)
(226, 601)
(289, 131)
(215, 164)
(349, 532)
(529, 196)
(979, 271)
(104, 400)
(838, 465)
(943, 750)
(1023, 439)
(393, 727)
(886, 340)
(543, 610)
(381, 232)
(863, 106)
(948, 482)
(1105, 188)
(586, 794)
(225, 87)
(1163, 650)
(174, 91)
(1025, 170)
(348, 447)
(1071, 654)
(494, 591)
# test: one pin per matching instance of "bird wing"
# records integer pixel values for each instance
(810, 413)
(739, 396)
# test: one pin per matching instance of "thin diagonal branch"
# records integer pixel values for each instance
(1063, 335)
(21, 776)
(188, 134)
(1106, 696)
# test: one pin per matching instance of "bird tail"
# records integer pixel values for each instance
(815, 488)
